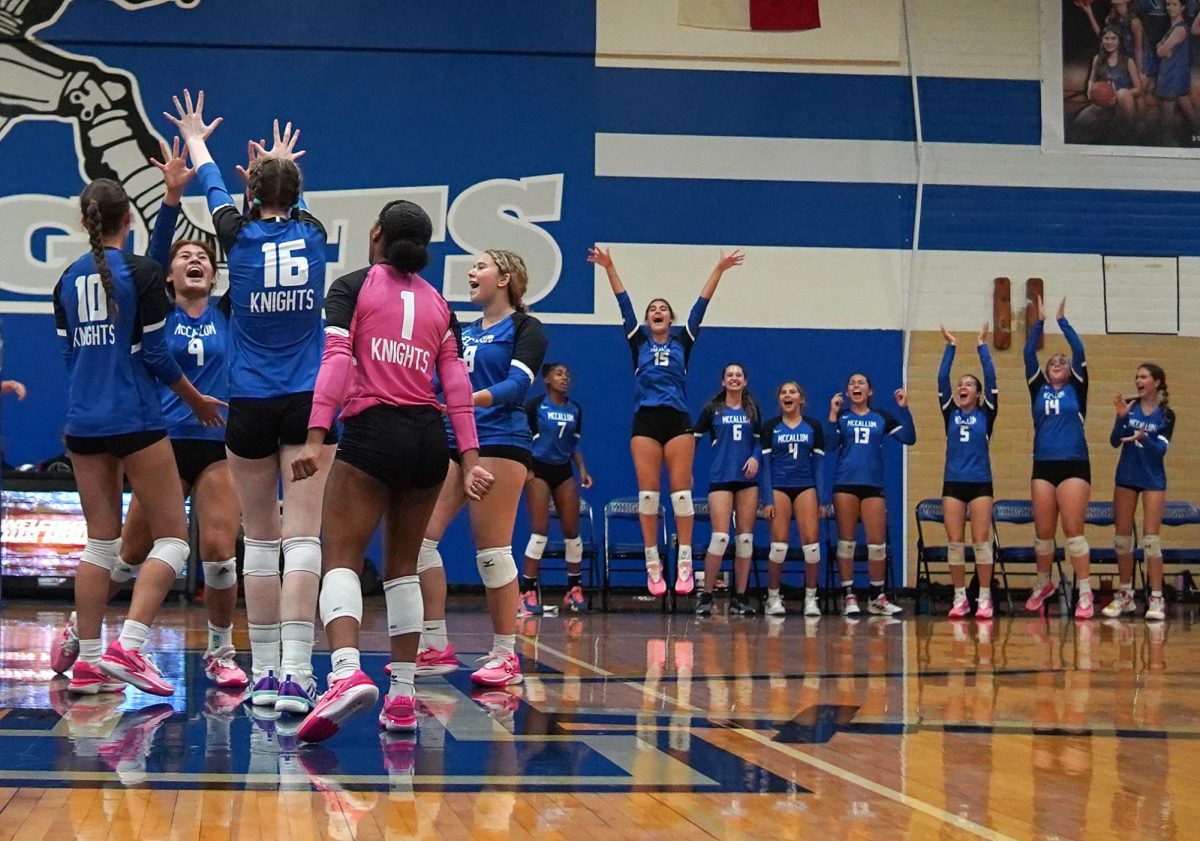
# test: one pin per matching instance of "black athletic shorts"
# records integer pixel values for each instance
(1057, 472)
(553, 474)
(794, 493)
(732, 487)
(506, 451)
(662, 423)
(118, 446)
(194, 455)
(258, 426)
(399, 446)
(860, 491)
(966, 491)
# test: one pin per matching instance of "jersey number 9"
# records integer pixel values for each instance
(282, 266)
(196, 349)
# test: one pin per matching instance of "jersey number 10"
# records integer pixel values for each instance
(93, 301)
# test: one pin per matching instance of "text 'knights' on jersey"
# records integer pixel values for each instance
(968, 433)
(556, 428)
(201, 347)
(501, 359)
(660, 370)
(791, 454)
(1141, 463)
(860, 439)
(277, 290)
(115, 350)
(735, 439)
(1059, 414)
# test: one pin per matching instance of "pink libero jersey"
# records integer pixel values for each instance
(386, 334)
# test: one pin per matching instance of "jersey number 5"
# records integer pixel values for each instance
(964, 434)
(93, 302)
(282, 266)
(862, 435)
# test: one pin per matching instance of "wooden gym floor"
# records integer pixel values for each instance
(640, 725)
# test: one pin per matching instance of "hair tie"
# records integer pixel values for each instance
(257, 202)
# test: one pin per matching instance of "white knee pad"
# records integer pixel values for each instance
(220, 575)
(341, 595)
(778, 553)
(171, 551)
(876, 551)
(681, 504)
(648, 503)
(744, 546)
(405, 608)
(1123, 543)
(122, 572)
(536, 546)
(574, 550)
(302, 554)
(845, 549)
(262, 558)
(429, 557)
(102, 553)
(718, 543)
(983, 554)
(1152, 546)
(496, 566)
(1077, 546)
(812, 553)
(1043, 547)
(956, 553)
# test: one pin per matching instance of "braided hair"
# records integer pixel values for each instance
(104, 205)
(274, 182)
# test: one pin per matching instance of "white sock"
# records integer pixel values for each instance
(772, 594)
(264, 648)
(71, 627)
(296, 644)
(960, 594)
(90, 651)
(685, 554)
(1043, 578)
(985, 594)
(346, 661)
(433, 634)
(652, 559)
(1085, 587)
(219, 638)
(810, 592)
(403, 675)
(504, 644)
(133, 635)
(1127, 588)
(1154, 594)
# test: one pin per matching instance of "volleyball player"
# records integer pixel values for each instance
(733, 423)
(793, 448)
(859, 431)
(1142, 430)
(1062, 473)
(276, 257)
(387, 332)
(556, 423)
(197, 337)
(502, 350)
(662, 427)
(110, 310)
(969, 412)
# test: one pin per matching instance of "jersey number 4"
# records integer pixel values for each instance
(93, 302)
(282, 266)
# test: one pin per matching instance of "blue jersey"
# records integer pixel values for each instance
(792, 454)
(501, 359)
(734, 436)
(1059, 414)
(1141, 462)
(114, 350)
(200, 346)
(556, 429)
(968, 433)
(859, 441)
(660, 370)
(276, 291)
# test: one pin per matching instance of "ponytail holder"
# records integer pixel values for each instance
(257, 202)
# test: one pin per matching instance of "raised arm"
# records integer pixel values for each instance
(1032, 366)
(194, 131)
(945, 395)
(1078, 359)
(901, 427)
(176, 176)
(696, 316)
(602, 257)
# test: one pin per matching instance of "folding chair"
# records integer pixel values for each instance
(1018, 512)
(556, 550)
(625, 509)
(931, 511)
(1178, 513)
